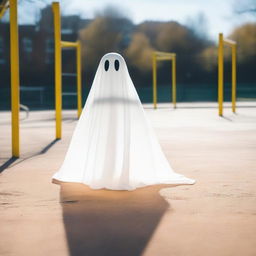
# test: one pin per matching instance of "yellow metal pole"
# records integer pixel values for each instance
(58, 86)
(234, 78)
(79, 86)
(15, 81)
(220, 74)
(174, 81)
(154, 65)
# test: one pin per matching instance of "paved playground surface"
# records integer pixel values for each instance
(216, 216)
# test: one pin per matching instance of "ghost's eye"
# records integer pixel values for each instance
(116, 65)
(106, 65)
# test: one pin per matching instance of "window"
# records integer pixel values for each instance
(49, 51)
(27, 48)
(27, 45)
(66, 31)
(2, 60)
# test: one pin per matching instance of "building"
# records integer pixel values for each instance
(36, 46)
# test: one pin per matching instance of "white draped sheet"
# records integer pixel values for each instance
(113, 145)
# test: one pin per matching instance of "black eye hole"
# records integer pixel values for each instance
(106, 65)
(116, 65)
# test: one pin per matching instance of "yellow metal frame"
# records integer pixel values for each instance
(59, 45)
(3, 7)
(160, 56)
(223, 41)
(14, 66)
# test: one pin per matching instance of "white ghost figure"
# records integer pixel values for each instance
(114, 145)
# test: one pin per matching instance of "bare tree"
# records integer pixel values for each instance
(245, 6)
(198, 24)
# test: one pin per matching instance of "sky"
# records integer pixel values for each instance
(218, 15)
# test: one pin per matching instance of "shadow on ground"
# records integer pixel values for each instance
(103, 222)
(6, 164)
(16, 160)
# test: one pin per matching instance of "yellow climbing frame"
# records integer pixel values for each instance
(223, 41)
(160, 56)
(59, 45)
(4, 5)
(14, 66)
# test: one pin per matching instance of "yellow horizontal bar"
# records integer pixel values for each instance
(165, 58)
(65, 44)
(3, 7)
(229, 42)
(164, 54)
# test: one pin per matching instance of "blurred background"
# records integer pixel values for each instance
(134, 29)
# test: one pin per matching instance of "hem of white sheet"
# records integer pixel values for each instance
(125, 187)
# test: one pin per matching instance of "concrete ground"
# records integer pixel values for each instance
(216, 216)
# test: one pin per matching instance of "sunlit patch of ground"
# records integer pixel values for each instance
(216, 216)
